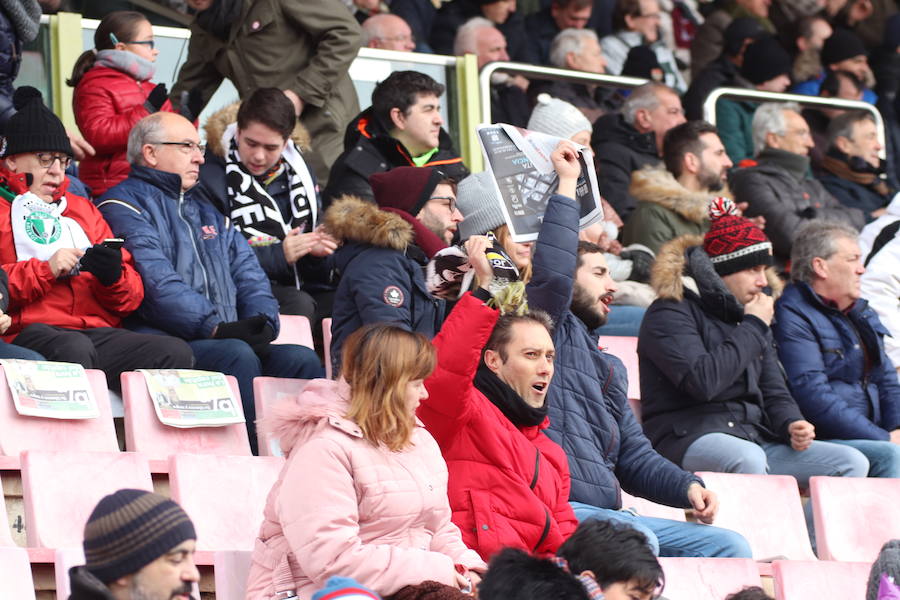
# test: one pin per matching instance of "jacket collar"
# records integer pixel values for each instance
(85, 586)
(613, 128)
(826, 306)
(795, 164)
(714, 295)
(657, 185)
(170, 183)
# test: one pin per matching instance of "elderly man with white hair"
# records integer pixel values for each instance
(778, 185)
(388, 32)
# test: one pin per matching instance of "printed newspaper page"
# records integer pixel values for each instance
(519, 161)
(190, 398)
(54, 390)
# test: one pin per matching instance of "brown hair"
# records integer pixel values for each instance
(269, 107)
(121, 24)
(505, 239)
(378, 361)
(502, 332)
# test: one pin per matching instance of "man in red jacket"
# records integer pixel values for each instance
(68, 289)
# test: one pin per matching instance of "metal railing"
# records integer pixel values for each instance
(709, 106)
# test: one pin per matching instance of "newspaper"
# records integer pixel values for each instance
(519, 161)
(188, 398)
(54, 390)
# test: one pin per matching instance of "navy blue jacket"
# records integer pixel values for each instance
(198, 271)
(822, 351)
(10, 61)
(589, 412)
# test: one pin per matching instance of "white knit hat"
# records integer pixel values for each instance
(557, 117)
(477, 200)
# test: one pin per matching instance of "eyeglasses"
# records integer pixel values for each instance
(185, 147)
(150, 43)
(46, 159)
(398, 38)
(448, 201)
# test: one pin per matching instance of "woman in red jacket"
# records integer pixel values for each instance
(113, 91)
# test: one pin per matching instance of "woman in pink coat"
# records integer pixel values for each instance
(364, 491)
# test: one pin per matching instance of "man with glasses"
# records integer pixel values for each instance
(70, 283)
(388, 32)
(385, 250)
(203, 280)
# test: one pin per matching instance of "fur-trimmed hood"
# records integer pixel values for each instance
(683, 263)
(657, 185)
(217, 123)
(294, 421)
(351, 219)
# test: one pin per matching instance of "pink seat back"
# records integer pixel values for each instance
(707, 578)
(144, 433)
(66, 558)
(766, 510)
(62, 488)
(224, 496)
(625, 349)
(231, 570)
(19, 433)
(15, 573)
(647, 508)
(326, 342)
(854, 517)
(819, 580)
(294, 329)
(268, 391)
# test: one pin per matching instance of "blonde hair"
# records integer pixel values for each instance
(379, 361)
(505, 239)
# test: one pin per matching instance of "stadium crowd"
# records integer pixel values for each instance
(476, 438)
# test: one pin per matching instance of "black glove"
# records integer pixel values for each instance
(157, 98)
(191, 104)
(256, 331)
(103, 263)
(641, 262)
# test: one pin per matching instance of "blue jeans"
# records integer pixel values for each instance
(235, 357)
(725, 453)
(623, 320)
(13, 351)
(674, 538)
(884, 457)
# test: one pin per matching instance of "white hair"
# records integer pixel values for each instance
(568, 40)
(466, 41)
(149, 128)
(643, 97)
(769, 118)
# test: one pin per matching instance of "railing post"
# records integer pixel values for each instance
(469, 111)
(65, 48)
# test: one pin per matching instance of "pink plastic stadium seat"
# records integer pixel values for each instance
(766, 510)
(326, 342)
(854, 517)
(66, 558)
(224, 496)
(15, 574)
(646, 508)
(625, 349)
(18, 433)
(707, 578)
(820, 580)
(268, 391)
(62, 488)
(294, 329)
(144, 433)
(231, 570)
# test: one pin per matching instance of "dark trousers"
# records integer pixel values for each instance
(292, 301)
(110, 349)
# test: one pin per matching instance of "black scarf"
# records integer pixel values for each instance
(519, 412)
(218, 18)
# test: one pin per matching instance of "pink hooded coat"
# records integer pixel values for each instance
(343, 506)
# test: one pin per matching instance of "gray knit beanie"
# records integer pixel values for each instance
(557, 117)
(888, 562)
(477, 200)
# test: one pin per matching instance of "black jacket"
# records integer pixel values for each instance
(87, 587)
(719, 73)
(451, 16)
(705, 367)
(620, 150)
(369, 149)
(541, 29)
(10, 60)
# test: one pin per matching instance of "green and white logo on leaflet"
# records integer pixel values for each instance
(42, 227)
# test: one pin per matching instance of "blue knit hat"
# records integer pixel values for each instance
(345, 588)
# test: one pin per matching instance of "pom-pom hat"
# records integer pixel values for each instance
(733, 242)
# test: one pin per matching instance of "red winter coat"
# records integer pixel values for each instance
(80, 302)
(107, 104)
(509, 486)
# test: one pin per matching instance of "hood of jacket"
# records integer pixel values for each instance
(85, 586)
(221, 119)
(613, 128)
(351, 219)
(294, 421)
(657, 185)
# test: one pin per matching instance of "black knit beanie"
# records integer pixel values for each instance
(129, 529)
(842, 44)
(739, 30)
(34, 128)
(765, 59)
(640, 62)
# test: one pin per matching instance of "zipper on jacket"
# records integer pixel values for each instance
(537, 469)
(546, 531)
(193, 243)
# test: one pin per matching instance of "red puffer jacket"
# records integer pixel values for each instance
(107, 104)
(79, 302)
(508, 486)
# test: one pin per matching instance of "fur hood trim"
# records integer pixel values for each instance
(293, 421)
(659, 186)
(351, 219)
(668, 276)
(217, 123)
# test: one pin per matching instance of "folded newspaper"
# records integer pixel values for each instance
(190, 398)
(53, 390)
(523, 174)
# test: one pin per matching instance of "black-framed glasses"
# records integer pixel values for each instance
(186, 147)
(46, 160)
(151, 43)
(448, 201)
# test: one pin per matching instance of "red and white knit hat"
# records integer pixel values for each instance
(733, 242)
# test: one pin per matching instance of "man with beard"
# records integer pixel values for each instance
(137, 546)
(588, 407)
(672, 198)
(713, 395)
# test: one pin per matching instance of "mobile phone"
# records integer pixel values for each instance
(114, 243)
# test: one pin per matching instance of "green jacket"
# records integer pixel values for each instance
(734, 120)
(302, 45)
